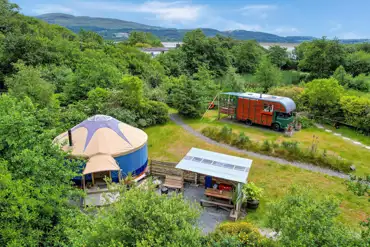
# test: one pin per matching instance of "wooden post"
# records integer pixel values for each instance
(92, 178)
(219, 106)
(209, 106)
(150, 167)
(119, 176)
(83, 182)
(228, 106)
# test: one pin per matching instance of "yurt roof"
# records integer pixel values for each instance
(101, 134)
(100, 163)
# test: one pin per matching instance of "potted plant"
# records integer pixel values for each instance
(252, 194)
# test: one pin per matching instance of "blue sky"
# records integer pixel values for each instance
(331, 18)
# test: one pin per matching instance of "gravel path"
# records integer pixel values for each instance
(343, 137)
(177, 119)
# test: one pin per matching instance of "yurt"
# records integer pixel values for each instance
(111, 148)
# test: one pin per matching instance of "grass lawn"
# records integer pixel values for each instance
(170, 142)
(360, 156)
(347, 132)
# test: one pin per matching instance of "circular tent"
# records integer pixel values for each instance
(108, 145)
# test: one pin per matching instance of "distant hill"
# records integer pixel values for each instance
(115, 29)
(92, 22)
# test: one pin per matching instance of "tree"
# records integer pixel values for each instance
(137, 38)
(173, 62)
(267, 74)
(360, 83)
(358, 62)
(323, 96)
(293, 92)
(206, 81)
(248, 55)
(321, 57)
(201, 51)
(232, 81)
(189, 98)
(341, 76)
(307, 221)
(27, 82)
(141, 218)
(278, 55)
(36, 191)
(356, 111)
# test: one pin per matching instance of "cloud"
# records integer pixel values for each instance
(286, 30)
(258, 10)
(177, 11)
(224, 24)
(52, 8)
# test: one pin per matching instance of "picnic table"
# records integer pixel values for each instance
(219, 194)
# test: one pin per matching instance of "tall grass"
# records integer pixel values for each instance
(289, 150)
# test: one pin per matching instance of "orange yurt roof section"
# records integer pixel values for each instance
(102, 134)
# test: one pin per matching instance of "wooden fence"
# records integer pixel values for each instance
(161, 168)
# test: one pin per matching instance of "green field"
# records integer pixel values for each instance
(170, 142)
(360, 156)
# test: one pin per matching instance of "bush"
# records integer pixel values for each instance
(305, 122)
(302, 219)
(252, 191)
(293, 92)
(291, 147)
(247, 234)
(211, 132)
(225, 134)
(241, 141)
(218, 239)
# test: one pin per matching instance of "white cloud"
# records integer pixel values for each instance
(222, 24)
(177, 11)
(258, 10)
(52, 8)
(286, 30)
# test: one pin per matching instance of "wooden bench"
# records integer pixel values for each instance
(224, 206)
(174, 182)
(225, 195)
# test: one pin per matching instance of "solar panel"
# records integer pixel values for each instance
(188, 157)
(217, 163)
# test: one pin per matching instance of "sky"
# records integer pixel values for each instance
(332, 18)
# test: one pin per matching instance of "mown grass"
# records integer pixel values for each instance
(170, 142)
(360, 156)
(350, 133)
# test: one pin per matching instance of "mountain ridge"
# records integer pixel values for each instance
(117, 29)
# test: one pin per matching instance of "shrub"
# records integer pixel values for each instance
(291, 147)
(225, 134)
(211, 132)
(266, 146)
(241, 140)
(287, 149)
(252, 191)
(247, 234)
(305, 122)
(219, 239)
